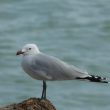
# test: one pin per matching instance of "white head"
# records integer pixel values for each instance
(29, 49)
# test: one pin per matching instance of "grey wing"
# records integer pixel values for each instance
(52, 68)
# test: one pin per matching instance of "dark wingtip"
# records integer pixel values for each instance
(93, 78)
(99, 79)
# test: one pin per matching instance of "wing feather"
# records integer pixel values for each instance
(55, 69)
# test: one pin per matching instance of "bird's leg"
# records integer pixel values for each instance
(45, 86)
(44, 90)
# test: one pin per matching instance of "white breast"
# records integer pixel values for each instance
(26, 65)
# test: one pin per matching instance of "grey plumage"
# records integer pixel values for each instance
(44, 67)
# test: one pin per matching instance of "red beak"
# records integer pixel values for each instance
(19, 52)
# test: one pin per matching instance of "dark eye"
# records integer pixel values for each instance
(29, 48)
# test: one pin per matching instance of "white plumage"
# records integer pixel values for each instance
(44, 67)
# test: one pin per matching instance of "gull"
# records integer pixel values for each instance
(44, 67)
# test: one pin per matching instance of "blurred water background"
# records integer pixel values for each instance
(76, 31)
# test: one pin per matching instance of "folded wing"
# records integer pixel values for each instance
(51, 68)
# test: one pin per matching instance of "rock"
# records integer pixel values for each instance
(31, 104)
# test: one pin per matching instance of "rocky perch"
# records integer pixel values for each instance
(31, 104)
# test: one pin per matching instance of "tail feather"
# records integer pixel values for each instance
(94, 78)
